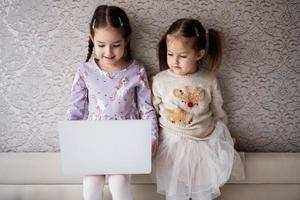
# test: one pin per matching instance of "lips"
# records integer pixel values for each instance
(109, 58)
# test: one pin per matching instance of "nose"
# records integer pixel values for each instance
(109, 52)
(176, 60)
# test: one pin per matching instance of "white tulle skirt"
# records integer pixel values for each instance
(187, 168)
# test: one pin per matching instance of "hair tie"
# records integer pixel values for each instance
(196, 32)
(121, 23)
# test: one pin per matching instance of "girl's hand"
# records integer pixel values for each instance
(154, 149)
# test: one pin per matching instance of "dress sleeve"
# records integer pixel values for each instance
(78, 98)
(217, 103)
(144, 103)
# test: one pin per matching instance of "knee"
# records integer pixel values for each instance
(93, 181)
(119, 183)
(92, 187)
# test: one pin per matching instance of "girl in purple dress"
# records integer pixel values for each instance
(111, 86)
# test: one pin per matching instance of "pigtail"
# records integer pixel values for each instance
(128, 52)
(214, 49)
(90, 50)
(162, 54)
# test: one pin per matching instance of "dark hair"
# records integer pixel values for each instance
(110, 16)
(192, 28)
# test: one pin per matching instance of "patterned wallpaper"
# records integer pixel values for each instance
(43, 42)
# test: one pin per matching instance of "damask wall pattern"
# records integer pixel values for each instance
(43, 42)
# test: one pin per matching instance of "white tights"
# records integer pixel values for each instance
(119, 186)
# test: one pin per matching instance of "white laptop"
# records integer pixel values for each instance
(105, 147)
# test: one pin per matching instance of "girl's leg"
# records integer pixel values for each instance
(93, 187)
(120, 187)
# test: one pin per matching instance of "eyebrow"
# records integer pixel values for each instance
(184, 52)
(113, 42)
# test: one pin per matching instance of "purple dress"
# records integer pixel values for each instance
(118, 95)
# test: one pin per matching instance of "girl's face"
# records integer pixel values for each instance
(109, 46)
(181, 57)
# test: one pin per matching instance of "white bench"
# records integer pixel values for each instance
(37, 176)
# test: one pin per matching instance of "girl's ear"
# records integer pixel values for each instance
(201, 54)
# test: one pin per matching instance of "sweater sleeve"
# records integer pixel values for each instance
(217, 103)
(156, 98)
(144, 103)
(78, 98)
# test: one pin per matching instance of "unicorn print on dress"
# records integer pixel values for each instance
(100, 108)
(103, 73)
(120, 89)
(76, 85)
(144, 110)
(141, 77)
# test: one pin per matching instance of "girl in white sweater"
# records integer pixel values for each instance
(196, 153)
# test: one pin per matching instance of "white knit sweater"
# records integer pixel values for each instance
(188, 105)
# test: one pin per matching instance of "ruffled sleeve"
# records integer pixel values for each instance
(144, 102)
(78, 98)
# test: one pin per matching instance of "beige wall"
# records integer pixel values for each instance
(43, 42)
